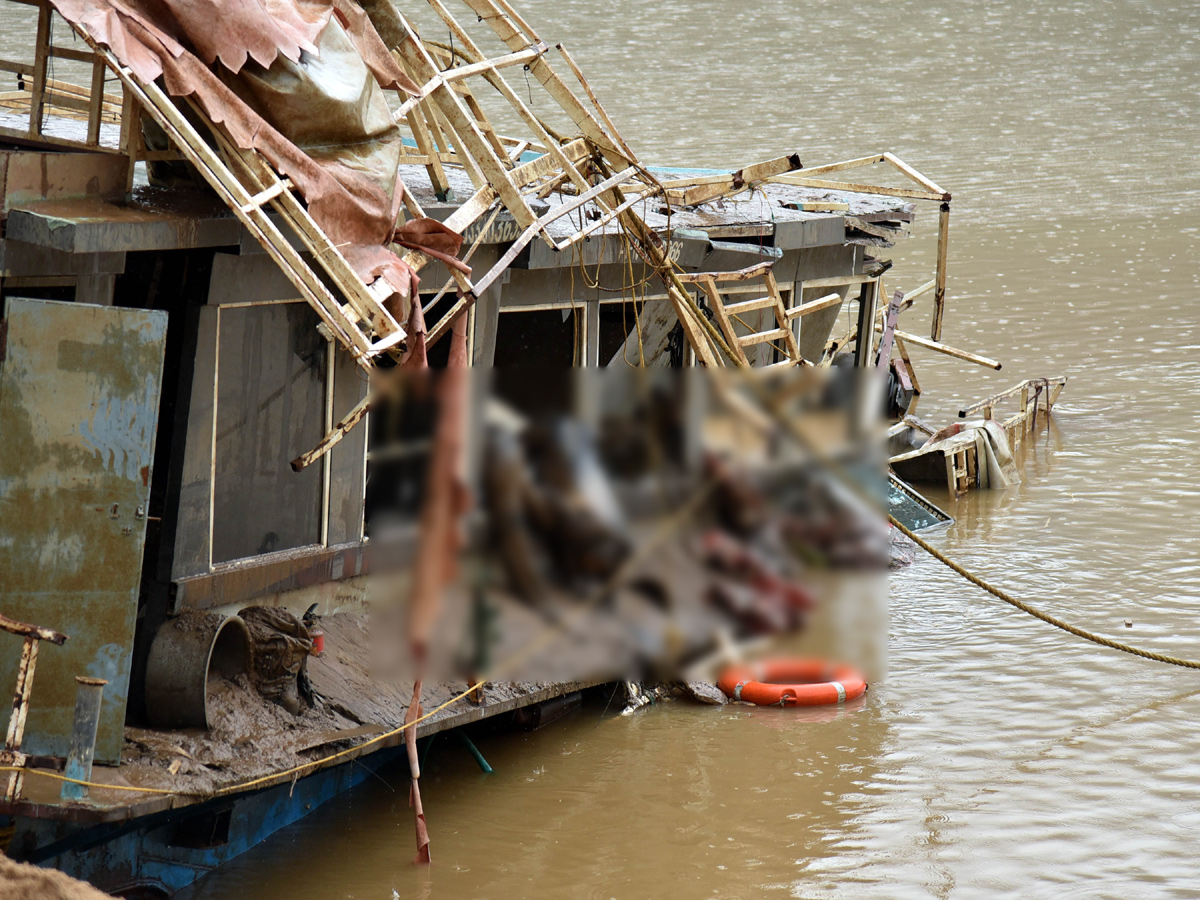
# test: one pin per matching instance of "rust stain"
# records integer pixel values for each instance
(74, 378)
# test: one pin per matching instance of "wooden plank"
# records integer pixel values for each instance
(916, 176)
(875, 229)
(437, 174)
(889, 332)
(466, 131)
(334, 437)
(16, 68)
(912, 295)
(539, 224)
(553, 148)
(743, 306)
(41, 55)
(708, 188)
(266, 195)
(514, 250)
(781, 317)
(458, 73)
(747, 274)
(721, 313)
(902, 349)
(1055, 383)
(846, 164)
(96, 104)
(813, 306)
(360, 298)
(761, 337)
(131, 140)
(70, 53)
(603, 220)
(454, 74)
(939, 290)
(499, 17)
(20, 136)
(854, 188)
(817, 206)
(488, 131)
(946, 350)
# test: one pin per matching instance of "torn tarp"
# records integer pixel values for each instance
(299, 81)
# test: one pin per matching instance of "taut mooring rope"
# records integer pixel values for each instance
(1037, 613)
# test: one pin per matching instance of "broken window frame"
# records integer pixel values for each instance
(193, 559)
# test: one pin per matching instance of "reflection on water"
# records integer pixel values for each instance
(998, 757)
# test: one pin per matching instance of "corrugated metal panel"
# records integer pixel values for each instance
(79, 391)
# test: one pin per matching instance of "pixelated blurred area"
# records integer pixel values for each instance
(640, 524)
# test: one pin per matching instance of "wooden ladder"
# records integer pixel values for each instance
(353, 312)
(725, 313)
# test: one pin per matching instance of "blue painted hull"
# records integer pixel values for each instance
(164, 852)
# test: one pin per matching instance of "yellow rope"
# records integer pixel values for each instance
(1037, 613)
(91, 784)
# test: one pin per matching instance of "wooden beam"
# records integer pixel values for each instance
(41, 55)
(96, 103)
(817, 305)
(945, 349)
(889, 332)
(939, 290)
(916, 176)
(1054, 382)
(852, 188)
(689, 192)
(847, 164)
(750, 272)
(902, 349)
(334, 437)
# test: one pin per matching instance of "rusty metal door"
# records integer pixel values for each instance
(79, 389)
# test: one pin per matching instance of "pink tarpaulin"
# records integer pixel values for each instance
(301, 83)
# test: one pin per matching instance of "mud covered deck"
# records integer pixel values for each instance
(252, 738)
(563, 646)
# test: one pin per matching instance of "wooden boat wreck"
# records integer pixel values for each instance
(213, 263)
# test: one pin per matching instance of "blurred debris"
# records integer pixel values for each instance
(281, 647)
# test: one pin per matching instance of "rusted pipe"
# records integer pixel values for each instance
(186, 652)
(88, 697)
(12, 626)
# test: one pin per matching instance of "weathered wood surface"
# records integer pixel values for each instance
(772, 210)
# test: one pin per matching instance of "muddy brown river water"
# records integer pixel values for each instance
(999, 757)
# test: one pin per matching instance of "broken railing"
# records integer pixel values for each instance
(48, 110)
(11, 757)
(1036, 395)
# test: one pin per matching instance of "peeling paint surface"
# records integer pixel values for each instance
(79, 392)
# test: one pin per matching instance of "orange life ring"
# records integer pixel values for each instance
(792, 682)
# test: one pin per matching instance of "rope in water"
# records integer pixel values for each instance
(1037, 613)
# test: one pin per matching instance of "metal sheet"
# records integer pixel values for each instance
(79, 392)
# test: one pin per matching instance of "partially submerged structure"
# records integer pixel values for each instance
(221, 235)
